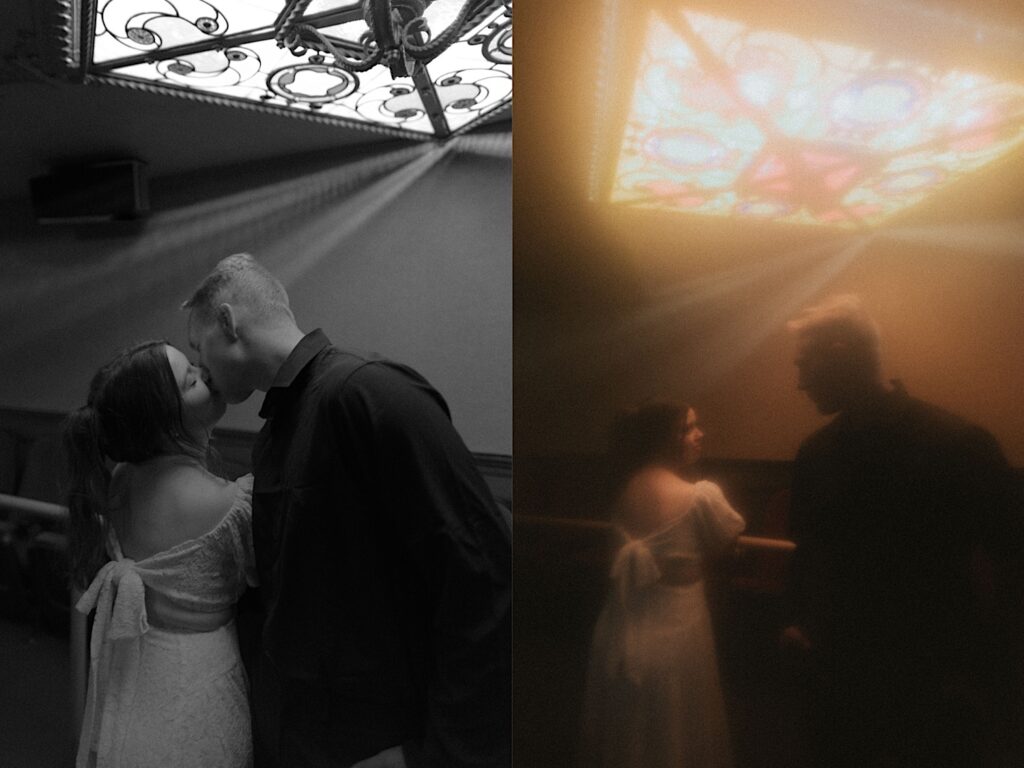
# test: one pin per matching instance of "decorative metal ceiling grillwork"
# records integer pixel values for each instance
(413, 68)
(729, 120)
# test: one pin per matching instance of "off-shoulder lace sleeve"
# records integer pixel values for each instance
(239, 531)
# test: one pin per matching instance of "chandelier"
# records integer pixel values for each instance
(411, 68)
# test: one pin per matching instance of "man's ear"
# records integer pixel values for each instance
(226, 321)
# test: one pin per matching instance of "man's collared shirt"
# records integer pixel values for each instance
(384, 563)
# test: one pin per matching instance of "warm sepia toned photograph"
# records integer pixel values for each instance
(769, 315)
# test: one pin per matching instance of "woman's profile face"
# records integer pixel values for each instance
(201, 408)
(693, 438)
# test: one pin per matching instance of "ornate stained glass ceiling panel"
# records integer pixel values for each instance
(728, 120)
(237, 52)
(126, 28)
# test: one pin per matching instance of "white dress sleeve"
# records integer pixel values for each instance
(241, 531)
(720, 524)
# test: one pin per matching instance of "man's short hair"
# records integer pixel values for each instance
(839, 319)
(241, 280)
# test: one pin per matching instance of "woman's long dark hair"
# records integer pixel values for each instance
(133, 413)
(645, 435)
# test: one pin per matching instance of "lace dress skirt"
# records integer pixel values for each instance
(653, 696)
(186, 703)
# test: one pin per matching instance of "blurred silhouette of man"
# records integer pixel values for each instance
(903, 583)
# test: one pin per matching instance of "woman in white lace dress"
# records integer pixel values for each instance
(653, 696)
(163, 549)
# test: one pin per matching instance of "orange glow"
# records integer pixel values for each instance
(728, 120)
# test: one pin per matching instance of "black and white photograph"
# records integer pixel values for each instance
(256, 407)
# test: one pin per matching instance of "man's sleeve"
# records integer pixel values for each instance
(994, 504)
(991, 496)
(459, 544)
(996, 496)
(800, 597)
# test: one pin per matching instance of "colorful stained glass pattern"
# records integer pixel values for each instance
(729, 121)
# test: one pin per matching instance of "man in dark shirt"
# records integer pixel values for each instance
(384, 562)
(908, 541)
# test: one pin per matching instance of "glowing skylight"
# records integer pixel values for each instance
(731, 121)
(231, 51)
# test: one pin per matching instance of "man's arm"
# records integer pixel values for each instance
(459, 546)
(990, 495)
(799, 578)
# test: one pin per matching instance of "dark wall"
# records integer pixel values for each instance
(404, 250)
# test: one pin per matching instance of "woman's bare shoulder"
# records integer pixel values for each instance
(658, 481)
(653, 497)
(192, 499)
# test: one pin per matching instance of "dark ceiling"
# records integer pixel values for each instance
(46, 120)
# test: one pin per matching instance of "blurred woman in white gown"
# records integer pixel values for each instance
(653, 697)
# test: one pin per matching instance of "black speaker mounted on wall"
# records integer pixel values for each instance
(113, 190)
